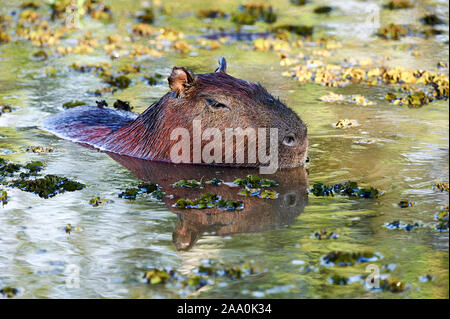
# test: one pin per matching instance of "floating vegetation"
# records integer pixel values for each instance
(201, 276)
(299, 2)
(69, 228)
(345, 123)
(47, 186)
(72, 104)
(442, 219)
(252, 12)
(209, 200)
(342, 259)
(97, 201)
(361, 100)
(398, 4)
(323, 10)
(442, 186)
(34, 167)
(392, 32)
(5, 108)
(300, 30)
(121, 81)
(393, 285)
(38, 149)
(143, 188)
(348, 188)
(3, 197)
(405, 204)
(9, 292)
(324, 234)
(122, 105)
(215, 181)
(339, 280)
(153, 79)
(189, 183)
(400, 225)
(146, 17)
(254, 181)
(40, 55)
(426, 278)
(210, 14)
(432, 20)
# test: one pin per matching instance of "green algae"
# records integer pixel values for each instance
(121, 81)
(215, 181)
(254, 181)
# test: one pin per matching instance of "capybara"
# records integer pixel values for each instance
(216, 102)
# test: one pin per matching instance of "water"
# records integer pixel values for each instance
(399, 150)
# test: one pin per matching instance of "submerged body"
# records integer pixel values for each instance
(214, 101)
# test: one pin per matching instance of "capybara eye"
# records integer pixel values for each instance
(270, 100)
(216, 105)
(289, 140)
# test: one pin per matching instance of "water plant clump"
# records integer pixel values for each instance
(392, 285)
(400, 225)
(5, 108)
(398, 4)
(432, 19)
(147, 16)
(9, 292)
(442, 218)
(339, 280)
(38, 149)
(442, 186)
(8, 168)
(325, 234)
(323, 10)
(188, 183)
(209, 200)
(252, 12)
(348, 188)
(153, 79)
(72, 104)
(97, 201)
(142, 188)
(215, 181)
(47, 186)
(122, 105)
(210, 14)
(405, 204)
(3, 197)
(255, 181)
(392, 32)
(341, 259)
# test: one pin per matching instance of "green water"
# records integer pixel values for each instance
(399, 150)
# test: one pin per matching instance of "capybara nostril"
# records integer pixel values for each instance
(289, 140)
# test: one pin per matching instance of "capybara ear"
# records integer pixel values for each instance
(222, 65)
(180, 79)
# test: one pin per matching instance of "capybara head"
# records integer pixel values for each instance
(218, 102)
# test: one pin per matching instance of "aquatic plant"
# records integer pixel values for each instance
(323, 10)
(340, 258)
(209, 200)
(5, 108)
(215, 181)
(97, 201)
(392, 32)
(348, 188)
(122, 105)
(442, 186)
(252, 12)
(254, 181)
(398, 4)
(9, 292)
(345, 123)
(189, 183)
(211, 14)
(405, 204)
(71, 104)
(47, 186)
(393, 285)
(142, 188)
(431, 19)
(3, 197)
(324, 234)
(38, 149)
(400, 225)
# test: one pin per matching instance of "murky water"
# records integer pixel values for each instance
(399, 150)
